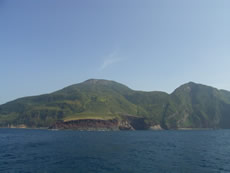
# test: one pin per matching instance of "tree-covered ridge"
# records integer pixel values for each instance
(189, 106)
(198, 106)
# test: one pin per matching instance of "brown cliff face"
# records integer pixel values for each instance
(129, 123)
(87, 124)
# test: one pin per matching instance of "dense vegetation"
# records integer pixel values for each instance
(189, 106)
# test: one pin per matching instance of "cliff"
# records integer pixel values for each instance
(130, 123)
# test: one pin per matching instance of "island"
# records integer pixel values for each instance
(98, 104)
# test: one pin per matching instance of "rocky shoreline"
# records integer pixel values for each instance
(127, 122)
(130, 123)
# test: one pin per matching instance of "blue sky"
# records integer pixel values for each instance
(148, 45)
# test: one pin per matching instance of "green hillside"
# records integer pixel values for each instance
(197, 106)
(189, 106)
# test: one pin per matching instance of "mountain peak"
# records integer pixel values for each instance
(103, 82)
(192, 83)
(187, 87)
(97, 81)
(193, 87)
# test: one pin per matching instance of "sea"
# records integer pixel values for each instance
(67, 151)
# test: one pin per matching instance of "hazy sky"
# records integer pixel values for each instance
(46, 45)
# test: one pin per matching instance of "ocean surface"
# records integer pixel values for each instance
(197, 151)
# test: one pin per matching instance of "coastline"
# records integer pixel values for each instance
(109, 129)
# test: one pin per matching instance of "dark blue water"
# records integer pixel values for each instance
(115, 152)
